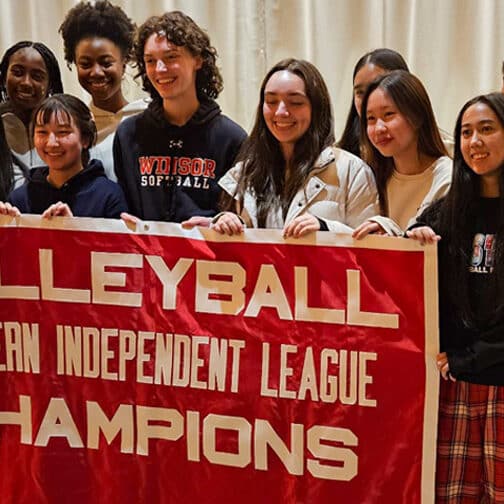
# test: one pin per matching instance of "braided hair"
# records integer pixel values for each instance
(51, 63)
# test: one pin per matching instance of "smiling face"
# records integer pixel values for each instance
(363, 78)
(482, 142)
(59, 143)
(100, 68)
(27, 79)
(387, 128)
(286, 109)
(171, 69)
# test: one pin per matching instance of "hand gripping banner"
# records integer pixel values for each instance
(163, 365)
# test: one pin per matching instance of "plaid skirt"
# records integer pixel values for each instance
(470, 448)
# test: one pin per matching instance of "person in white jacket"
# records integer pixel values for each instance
(289, 174)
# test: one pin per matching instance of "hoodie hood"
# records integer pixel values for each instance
(93, 170)
(207, 110)
(41, 193)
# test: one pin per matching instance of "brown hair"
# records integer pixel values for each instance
(263, 163)
(182, 31)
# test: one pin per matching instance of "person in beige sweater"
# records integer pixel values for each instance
(402, 144)
(98, 39)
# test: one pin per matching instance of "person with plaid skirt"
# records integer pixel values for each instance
(469, 225)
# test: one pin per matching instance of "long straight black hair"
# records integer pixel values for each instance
(386, 59)
(458, 210)
(263, 163)
(412, 100)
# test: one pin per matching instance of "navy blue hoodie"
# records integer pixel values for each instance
(89, 193)
(169, 172)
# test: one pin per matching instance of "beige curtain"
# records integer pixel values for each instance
(455, 46)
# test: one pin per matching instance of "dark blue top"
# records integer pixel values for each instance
(89, 193)
(170, 172)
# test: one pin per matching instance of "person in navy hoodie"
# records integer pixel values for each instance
(169, 158)
(63, 131)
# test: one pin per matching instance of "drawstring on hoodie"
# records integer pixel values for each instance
(207, 110)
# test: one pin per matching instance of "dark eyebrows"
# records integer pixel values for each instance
(383, 108)
(479, 123)
(171, 50)
(294, 93)
(100, 58)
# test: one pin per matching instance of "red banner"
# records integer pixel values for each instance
(172, 366)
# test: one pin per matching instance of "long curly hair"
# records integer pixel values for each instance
(182, 31)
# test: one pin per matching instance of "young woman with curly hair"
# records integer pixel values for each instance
(98, 39)
(169, 158)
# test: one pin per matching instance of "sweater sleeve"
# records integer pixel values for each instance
(19, 199)
(116, 202)
(187, 207)
(440, 185)
(485, 352)
(124, 169)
